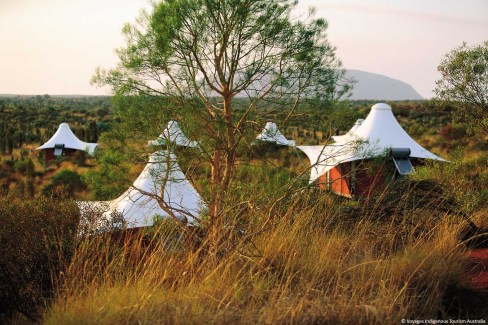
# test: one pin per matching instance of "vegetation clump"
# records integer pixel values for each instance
(37, 240)
(464, 84)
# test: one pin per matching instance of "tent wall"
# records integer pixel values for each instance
(370, 178)
(338, 180)
(359, 179)
(49, 154)
(67, 152)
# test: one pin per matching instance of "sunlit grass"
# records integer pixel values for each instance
(311, 266)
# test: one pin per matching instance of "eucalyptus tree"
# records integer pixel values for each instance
(213, 64)
(464, 84)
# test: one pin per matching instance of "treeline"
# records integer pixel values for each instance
(34, 119)
(27, 121)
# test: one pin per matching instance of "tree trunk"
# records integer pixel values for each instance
(223, 163)
(215, 180)
(230, 156)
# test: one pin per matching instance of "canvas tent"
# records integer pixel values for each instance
(379, 134)
(174, 135)
(65, 141)
(271, 133)
(162, 179)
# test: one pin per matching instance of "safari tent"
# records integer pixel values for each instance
(161, 180)
(65, 142)
(348, 166)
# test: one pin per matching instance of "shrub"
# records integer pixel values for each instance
(24, 166)
(65, 183)
(453, 132)
(465, 179)
(36, 242)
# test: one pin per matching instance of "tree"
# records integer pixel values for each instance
(214, 65)
(464, 84)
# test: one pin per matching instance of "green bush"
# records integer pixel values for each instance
(36, 243)
(65, 183)
(24, 166)
(465, 179)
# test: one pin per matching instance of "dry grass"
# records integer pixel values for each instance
(311, 266)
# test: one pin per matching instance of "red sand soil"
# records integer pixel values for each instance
(478, 273)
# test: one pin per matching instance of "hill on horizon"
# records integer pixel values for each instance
(369, 86)
(372, 86)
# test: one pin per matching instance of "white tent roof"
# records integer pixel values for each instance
(379, 132)
(271, 133)
(65, 136)
(339, 138)
(316, 154)
(174, 135)
(161, 178)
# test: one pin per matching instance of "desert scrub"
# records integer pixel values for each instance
(466, 179)
(37, 238)
(313, 265)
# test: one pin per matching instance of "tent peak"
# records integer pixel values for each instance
(271, 133)
(382, 106)
(174, 135)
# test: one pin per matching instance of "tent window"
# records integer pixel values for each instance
(403, 165)
(58, 149)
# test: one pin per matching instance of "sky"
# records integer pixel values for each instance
(54, 46)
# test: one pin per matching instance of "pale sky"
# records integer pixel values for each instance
(54, 46)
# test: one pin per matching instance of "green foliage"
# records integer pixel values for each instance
(36, 243)
(110, 178)
(202, 62)
(159, 45)
(25, 167)
(465, 179)
(65, 183)
(464, 84)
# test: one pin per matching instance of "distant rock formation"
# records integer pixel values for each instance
(372, 86)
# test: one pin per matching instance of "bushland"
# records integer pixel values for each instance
(37, 239)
